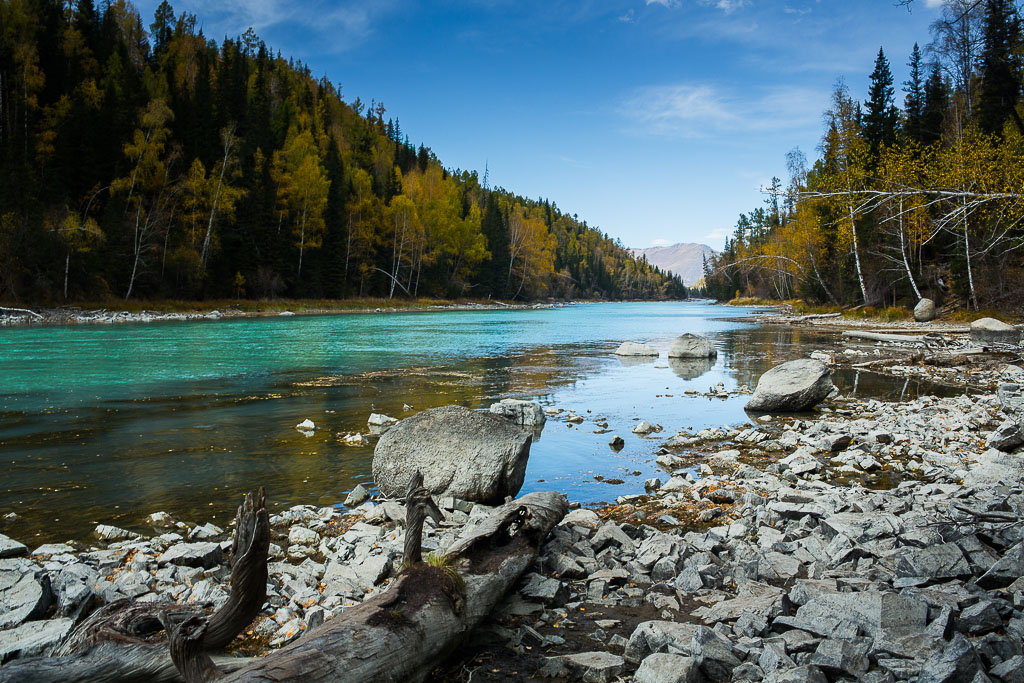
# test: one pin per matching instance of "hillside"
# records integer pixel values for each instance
(685, 259)
(160, 165)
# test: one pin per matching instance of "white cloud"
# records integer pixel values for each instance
(698, 111)
(933, 4)
(660, 242)
(664, 3)
(717, 235)
(727, 6)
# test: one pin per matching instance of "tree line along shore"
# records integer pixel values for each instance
(159, 164)
(922, 200)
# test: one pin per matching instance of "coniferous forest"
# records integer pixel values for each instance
(916, 194)
(142, 160)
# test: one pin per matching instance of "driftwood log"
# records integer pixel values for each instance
(878, 336)
(407, 631)
(127, 641)
(401, 634)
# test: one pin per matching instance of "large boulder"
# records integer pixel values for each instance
(992, 331)
(692, 346)
(924, 311)
(792, 387)
(517, 411)
(474, 456)
(633, 349)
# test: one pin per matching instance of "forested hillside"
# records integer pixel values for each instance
(159, 164)
(925, 199)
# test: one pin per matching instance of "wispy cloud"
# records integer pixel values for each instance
(698, 111)
(660, 242)
(727, 6)
(327, 26)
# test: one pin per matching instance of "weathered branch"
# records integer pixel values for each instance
(419, 505)
(127, 640)
(404, 633)
(187, 653)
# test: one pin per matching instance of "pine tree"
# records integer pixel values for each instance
(1000, 75)
(880, 121)
(936, 102)
(913, 104)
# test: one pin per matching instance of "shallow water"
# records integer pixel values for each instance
(110, 423)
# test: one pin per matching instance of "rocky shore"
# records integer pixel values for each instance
(871, 541)
(866, 540)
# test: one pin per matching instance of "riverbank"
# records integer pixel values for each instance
(164, 311)
(869, 540)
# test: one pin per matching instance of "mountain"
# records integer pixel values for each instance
(684, 259)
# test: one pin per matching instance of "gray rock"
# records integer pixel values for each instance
(634, 349)
(924, 311)
(108, 533)
(551, 592)
(588, 667)
(874, 612)
(73, 587)
(992, 331)
(616, 442)
(692, 346)
(205, 532)
(1007, 436)
(943, 561)
(474, 456)
(995, 467)
(11, 548)
(652, 637)
(842, 656)
(955, 663)
(801, 674)
(792, 387)
(751, 598)
(526, 413)
(357, 496)
(36, 638)
(22, 597)
(714, 653)
(610, 534)
(1010, 670)
(662, 667)
(205, 555)
(979, 618)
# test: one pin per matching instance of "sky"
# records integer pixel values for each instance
(657, 121)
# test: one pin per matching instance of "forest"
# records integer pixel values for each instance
(920, 200)
(156, 164)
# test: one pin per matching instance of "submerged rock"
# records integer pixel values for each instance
(692, 346)
(474, 456)
(634, 349)
(792, 387)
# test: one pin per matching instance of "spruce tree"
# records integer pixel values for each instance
(913, 104)
(1000, 74)
(881, 118)
(936, 102)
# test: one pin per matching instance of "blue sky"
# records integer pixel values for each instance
(657, 121)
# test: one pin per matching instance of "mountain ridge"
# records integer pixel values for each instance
(685, 259)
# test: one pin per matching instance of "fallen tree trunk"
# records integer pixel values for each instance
(876, 336)
(818, 316)
(126, 641)
(406, 632)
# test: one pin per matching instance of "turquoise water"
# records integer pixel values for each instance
(110, 423)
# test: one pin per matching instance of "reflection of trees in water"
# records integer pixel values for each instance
(752, 352)
(863, 384)
(690, 368)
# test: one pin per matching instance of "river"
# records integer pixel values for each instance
(108, 423)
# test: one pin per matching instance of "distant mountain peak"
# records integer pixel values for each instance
(685, 259)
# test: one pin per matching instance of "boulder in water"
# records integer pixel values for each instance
(517, 411)
(992, 331)
(692, 346)
(924, 311)
(792, 387)
(634, 349)
(475, 456)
